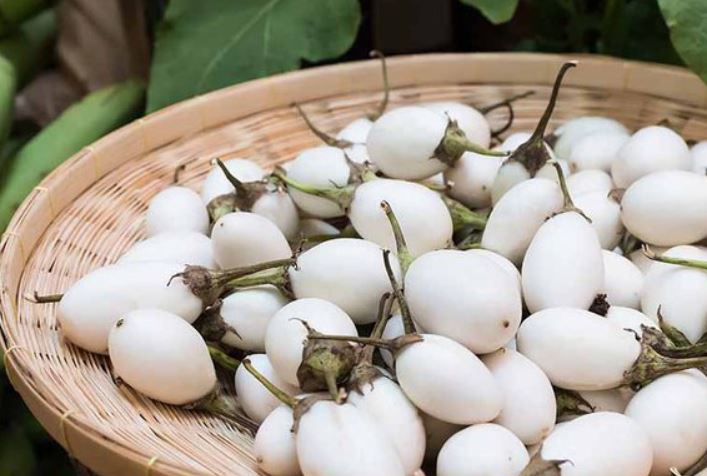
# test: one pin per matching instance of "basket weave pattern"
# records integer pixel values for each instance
(90, 210)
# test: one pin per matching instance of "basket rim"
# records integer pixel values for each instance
(21, 237)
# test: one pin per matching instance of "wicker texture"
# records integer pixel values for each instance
(91, 209)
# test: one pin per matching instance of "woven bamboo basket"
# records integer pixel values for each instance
(87, 212)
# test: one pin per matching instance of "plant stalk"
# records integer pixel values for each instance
(408, 324)
(690, 263)
(223, 359)
(323, 136)
(342, 196)
(281, 395)
(403, 252)
(569, 205)
(463, 217)
(386, 87)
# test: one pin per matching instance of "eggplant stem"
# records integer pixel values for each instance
(382, 106)
(384, 310)
(223, 359)
(403, 251)
(242, 191)
(46, 298)
(539, 131)
(342, 196)
(690, 263)
(651, 365)
(278, 393)
(408, 324)
(455, 143)
(328, 139)
(462, 216)
(569, 205)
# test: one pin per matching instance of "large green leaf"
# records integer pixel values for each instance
(496, 11)
(687, 21)
(208, 44)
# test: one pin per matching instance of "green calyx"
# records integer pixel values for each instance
(571, 403)
(455, 143)
(342, 196)
(211, 324)
(463, 218)
(242, 198)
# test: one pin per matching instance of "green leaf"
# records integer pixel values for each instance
(209, 44)
(496, 11)
(687, 21)
(16, 453)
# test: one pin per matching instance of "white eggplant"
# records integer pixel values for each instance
(623, 281)
(217, 184)
(257, 402)
(184, 247)
(176, 209)
(244, 238)
(249, 311)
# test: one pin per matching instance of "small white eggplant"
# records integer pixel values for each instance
(342, 440)
(249, 311)
(414, 143)
(348, 272)
(589, 181)
(482, 450)
(285, 335)
(623, 281)
(529, 406)
(277, 206)
(571, 132)
(321, 166)
(244, 238)
(672, 411)
(605, 213)
(217, 184)
(518, 215)
(176, 209)
(257, 402)
(699, 158)
(184, 247)
(563, 265)
(597, 151)
(470, 121)
(160, 355)
(679, 292)
(385, 402)
(90, 307)
(447, 381)
(423, 216)
(274, 446)
(630, 319)
(356, 133)
(464, 296)
(675, 216)
(471, 179)
(602, 443)
(651, 149)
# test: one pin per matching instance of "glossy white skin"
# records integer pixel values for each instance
(386, 403)
(216, 183)
(675, 216)
(641, 261)
(627, 318)
(554, 338)
(285, 335)
(446, 380)
(481, 450)
(602, 443)
(511, 173)
(348, 272)
(472, 122)
(342, 440)
(518, 215)
(90, 307)
(249, 312)
(699, 158)
(623, 281)
(402, 142)
(256, 400)
(612, 400)
(176, 209)
(589, 181)
(422, 214)
(394, 327)
(597, 151)
(650, 150)
(572, 131)
(356, 132)
(184, 247)
(605, 214)
(243, 239)
(529, 405)
(472, 178)
(314, 227)
(563, 265)
(274, 446)
(278, 207)
(681, 293)
(321, 166)
(502, 261)
(466, 297)
(672, 411)
(161, 356)
(437, 433)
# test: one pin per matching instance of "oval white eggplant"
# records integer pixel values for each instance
(249, 312)
(216, 183)
(480, 450)
(623, 281)
(184, 247)
(176, 209)
(675, 216)
(597, 151)
(605, 214)
(244, 238)
(463, 296)
(277, 206)
(257, 401)
(672, 411)
(563, 265)
(274, 446)
(587, 181)
(356, 132)
(161, 356)
(472, 122)
(472, 177)
(529, 405)
(554, 338)
(574, 130)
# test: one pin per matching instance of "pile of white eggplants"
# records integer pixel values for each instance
(419, 295)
